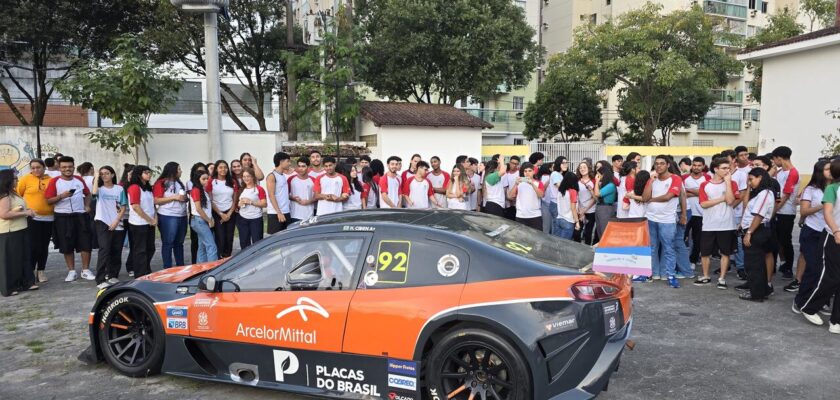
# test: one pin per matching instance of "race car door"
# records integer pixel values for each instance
(292, 294)
(406, 280)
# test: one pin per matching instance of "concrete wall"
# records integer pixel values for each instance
(18, 146)
(446, 143)
(797, 90)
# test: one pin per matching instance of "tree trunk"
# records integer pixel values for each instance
(232, 115)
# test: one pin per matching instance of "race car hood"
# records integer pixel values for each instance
(180, 274)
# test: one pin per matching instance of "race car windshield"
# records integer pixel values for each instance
(521, 240)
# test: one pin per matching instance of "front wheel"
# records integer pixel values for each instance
(469, 364)
(131, 335)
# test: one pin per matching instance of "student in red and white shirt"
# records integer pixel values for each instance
(718, 197)
(757, 214)
(223, 190)
(458, 189)
(142, 219)
(662, 196)
(316, 168)
(202, 218)
(171, 201)
(277, 185)
(475, 179)
(440, 181)
(788, 178)
(354, 202)
(412, 168)
(390, 185)
(692, 182)
(370, 189)
(567, 221)
(252, 201)
(331, 189)
(301, 192)
(528, 193)
(417, 192)
(70, 197)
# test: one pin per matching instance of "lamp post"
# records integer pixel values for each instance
(34, 100)
(210, 9)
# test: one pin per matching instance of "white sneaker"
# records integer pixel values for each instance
(131, 274)
(825, 311)
(834, 328)
(71, 276)
(103, 285)
(87, 275)
(814, 319)
(113, 281)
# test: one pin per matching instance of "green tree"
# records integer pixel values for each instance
(126, 90)
(566, 107)
(781, 26)
(251, 44)
(54, 37)
(822, 11)
(663, 65)
(445, 50)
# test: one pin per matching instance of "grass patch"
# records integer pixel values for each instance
(36, 346)
(6, 314)
(12, 328)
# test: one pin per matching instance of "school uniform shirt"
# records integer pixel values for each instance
(789, 181)
(146, 200)
(692, 183)
(741, 179)
(195, 195)
(53, 174)
(457, 204)
(494, 189)
(637, 209)
(815, 221)
(585, 196)
(419, 193)
(336, 185)
(354, 202)
(369, 194)
(162, 189)
(406, 175)
(316, 174)
(564, 205)
(255, 194)
(830, 197)
(74, 204)
(761, 204)
(527, 200)
(475, 179)
(390, 186)
(33, 190)
(664, 213)
(439, 181)
(548, 197)
(88, 181)
(108, 205)
(221, 193)
(721, 217)
(554, 183)
(281, 193)
(303, 188)
(508, 180)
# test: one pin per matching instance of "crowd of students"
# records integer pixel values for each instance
(740, 208)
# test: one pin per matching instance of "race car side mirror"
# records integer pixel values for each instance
(207, 284)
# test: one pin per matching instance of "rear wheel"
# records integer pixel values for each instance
(468, 364)
(131, 335)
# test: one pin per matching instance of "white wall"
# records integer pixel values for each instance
(446, 143)
(797, 90)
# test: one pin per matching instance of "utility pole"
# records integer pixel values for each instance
(291, 89)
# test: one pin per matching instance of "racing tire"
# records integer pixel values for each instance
(476, 364)
(131, 335)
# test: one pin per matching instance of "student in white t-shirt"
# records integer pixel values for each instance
(142, 220)
(223, 189)
(202, 218)
(567, 220)
(475, 181)
(458, 189)
(756, 233)
(417, 192)
(692, 182)
(354, 199)
(633, 198)
(301, 192)
(439, 180)
(70, 198)
(390, 185)
(494, 188)
(812, 221)
(528, 193)
(277, 185)
(662, 196)
(252, 201)
(331, 189)
(370, 189)
(717, 197)
(111, 204)
(171, 201)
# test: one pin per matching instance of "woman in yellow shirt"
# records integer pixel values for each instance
(15, 271)
(31, 187)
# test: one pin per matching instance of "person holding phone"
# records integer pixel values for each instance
(15, 267)
(528, 193)
(111, 205)
(70, 198)
(142, 219)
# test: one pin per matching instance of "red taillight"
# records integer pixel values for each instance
(594, 290)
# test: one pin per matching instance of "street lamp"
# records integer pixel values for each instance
(34, 101)
(210, 9)
(336, 85)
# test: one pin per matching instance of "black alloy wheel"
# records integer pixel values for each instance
(131, 336)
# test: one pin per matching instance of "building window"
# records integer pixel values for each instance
(752, 4)
(609, 2)
(189, 100)
(748, 87)
(764, 5)
(702, 142)
(520, 3)
(244, 94)
(370, 140)
(747, 114)
(518, 142)
(518, 103)
(756, 115)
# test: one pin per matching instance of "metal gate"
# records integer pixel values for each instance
(575, 152)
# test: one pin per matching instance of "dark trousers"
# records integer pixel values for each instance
(250, 231)
(784, 232)
(585, 233)
(109, 255)
(510, 213)
(754, 263)
(493, 209)
(274, 225)
(535, 222)
(142, 248)
(193, 243)
(224, 233)
(40, 233)
(828, 284)
(129, 261)
(810, 246)
(694, 229)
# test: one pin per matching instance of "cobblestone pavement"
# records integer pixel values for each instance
(692, 343)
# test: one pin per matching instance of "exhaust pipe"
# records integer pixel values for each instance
(246, 374)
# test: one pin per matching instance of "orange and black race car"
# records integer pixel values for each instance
(394, 304)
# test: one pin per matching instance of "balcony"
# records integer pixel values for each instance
(719, 125)
(728, 96)
(734, 9)
(502, 120)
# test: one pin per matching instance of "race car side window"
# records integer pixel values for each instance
(328, 263)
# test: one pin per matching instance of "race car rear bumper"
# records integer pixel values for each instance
(599, 376)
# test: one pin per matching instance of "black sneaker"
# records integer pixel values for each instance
(722, 284)
(744, 287)
(769, 289)
(793, 287)
(748, 297)
(702, 281)
(787, 274)
(742, 275)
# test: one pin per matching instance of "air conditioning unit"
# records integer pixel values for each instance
(753, 13)
(520, 115)
(749, 97)
(747, 124)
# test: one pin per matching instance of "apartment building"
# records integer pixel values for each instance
(736, 116)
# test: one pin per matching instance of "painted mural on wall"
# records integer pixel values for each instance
(16, 155)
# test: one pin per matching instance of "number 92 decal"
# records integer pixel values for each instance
(392, 261)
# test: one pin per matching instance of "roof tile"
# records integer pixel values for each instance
(419, 114)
